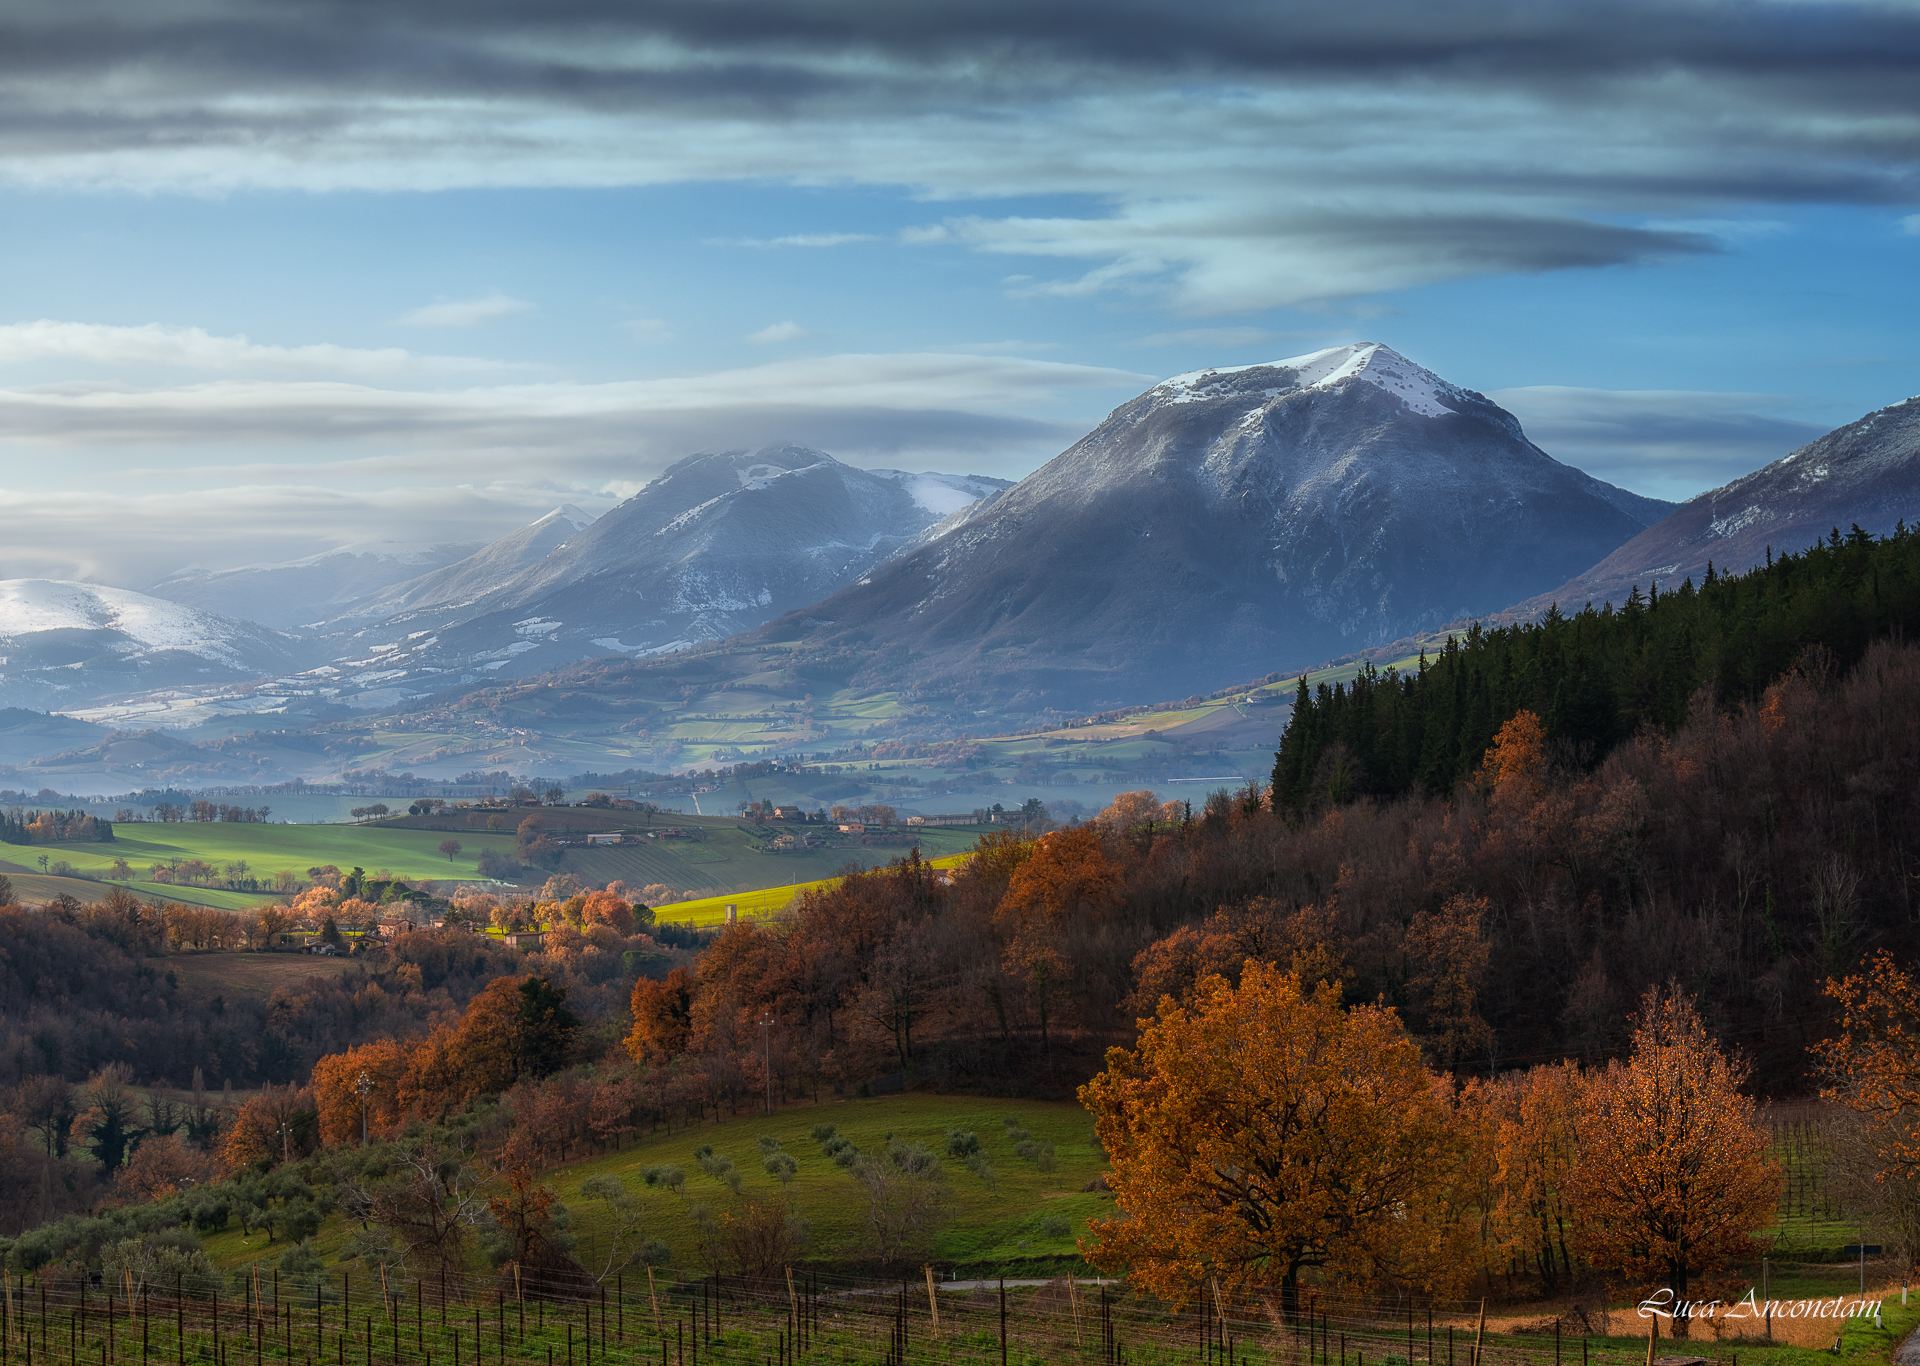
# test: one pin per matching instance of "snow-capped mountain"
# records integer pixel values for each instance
(1866, 472)
(718, 544)
(64, 644)
(308, 591)
(1224, 524)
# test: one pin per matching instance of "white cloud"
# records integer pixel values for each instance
(329, 412)
(240, 470)
(778, 332)
(1237, 250)
(1662, 443)
(190, 347)
(1910, 225)
(1731, 229)
(464, 312)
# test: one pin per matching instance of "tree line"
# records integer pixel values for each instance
(1597, 677)
(48, 827)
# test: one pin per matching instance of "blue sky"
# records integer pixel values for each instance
(279, 277)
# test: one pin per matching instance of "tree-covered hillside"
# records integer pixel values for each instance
(1596, 677)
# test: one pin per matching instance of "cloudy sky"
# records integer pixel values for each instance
(282, 274)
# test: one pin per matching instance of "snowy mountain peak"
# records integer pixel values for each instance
(1421, 390)
(567, 512)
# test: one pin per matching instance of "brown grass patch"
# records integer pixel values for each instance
(252, 972)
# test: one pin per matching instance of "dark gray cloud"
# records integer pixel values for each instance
(491, 47)
(1401, 142)
(1663, 443)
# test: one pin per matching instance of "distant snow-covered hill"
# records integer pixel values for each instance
(65, 644)
(716, 545)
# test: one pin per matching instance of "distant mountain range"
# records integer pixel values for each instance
(305, 592)
(1867, 472)
(1222, 524)
(718, 544)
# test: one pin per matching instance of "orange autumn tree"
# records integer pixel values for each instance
(1530, 1130)
(1260, 1130)
(347, 1107)
(1873, 1064)
(267, 1129)
(662, 1017)
(516, 1026)
(1517, 757)
(1673, 1175)
(1067, 878)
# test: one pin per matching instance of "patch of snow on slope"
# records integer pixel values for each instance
(939, 494)
(28, 606)
(759, 476)
(1368, 362)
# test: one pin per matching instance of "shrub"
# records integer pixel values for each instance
(1040, 1154)
(211, 1216)
(666, 1175)
(961, 1143)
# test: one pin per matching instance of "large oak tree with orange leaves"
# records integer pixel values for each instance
(1261, 1130)
(1673, 1176)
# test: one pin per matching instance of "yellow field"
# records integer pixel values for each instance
(712, 910)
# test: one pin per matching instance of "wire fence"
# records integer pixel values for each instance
(641, 1316)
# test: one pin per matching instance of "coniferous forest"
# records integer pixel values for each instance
(1600, 675)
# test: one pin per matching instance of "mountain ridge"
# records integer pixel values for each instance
(1866, 472)
(1247, 518)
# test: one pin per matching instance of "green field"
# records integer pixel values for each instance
(265, 849)
(993, 1225)
(1023, 1222)
(727, 857)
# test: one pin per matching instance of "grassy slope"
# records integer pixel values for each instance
(991, 1223)
(269, 848)
(252, 973)
(992, 1226)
